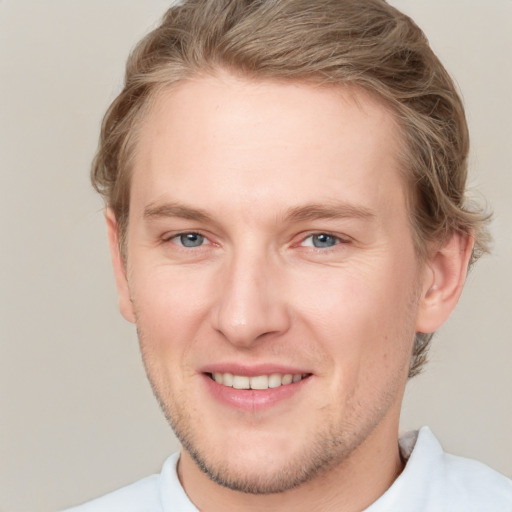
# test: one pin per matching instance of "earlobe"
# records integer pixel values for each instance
(119, 266)
(443, 283)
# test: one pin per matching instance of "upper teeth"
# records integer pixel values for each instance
(273, 380)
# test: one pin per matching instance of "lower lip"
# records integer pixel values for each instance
(253, 400)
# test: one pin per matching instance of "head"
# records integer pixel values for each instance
(366, 44)
(376, 59)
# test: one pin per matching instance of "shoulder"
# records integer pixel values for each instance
(478, 485)
(434, 481)
(457, 483)
(156, 493)
(137, 497)
(458, 470)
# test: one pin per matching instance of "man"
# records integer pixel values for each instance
(285, 200)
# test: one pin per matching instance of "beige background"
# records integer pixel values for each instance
(77, 416)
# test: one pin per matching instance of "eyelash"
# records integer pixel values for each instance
(340, 243)
(179, 235)
(337, 240)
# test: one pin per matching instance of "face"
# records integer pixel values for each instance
(272, 275)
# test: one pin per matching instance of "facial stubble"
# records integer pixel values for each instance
(331, 446)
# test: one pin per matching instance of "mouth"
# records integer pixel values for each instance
(257, 388)
(257, 382)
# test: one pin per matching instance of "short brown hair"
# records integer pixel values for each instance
(365, 43)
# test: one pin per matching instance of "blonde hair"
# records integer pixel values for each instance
(365, 43)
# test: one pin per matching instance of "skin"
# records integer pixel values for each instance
(259, 170)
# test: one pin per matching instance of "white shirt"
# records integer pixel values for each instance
(432, 481)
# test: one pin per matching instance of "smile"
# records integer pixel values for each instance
(273, 380)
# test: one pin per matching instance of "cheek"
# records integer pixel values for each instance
(364, 319)
(168, 291)
(348, 301)
(170, 307)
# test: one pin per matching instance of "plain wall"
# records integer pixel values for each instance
(77, 416)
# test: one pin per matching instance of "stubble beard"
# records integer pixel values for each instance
(331, 445)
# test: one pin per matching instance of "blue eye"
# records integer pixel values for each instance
(321, 241)
(191, 239)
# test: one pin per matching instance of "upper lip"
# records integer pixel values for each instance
(253, 370)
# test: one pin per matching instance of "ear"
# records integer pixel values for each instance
(119, 266)
(445, 274)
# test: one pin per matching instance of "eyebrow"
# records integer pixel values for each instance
(331, 210)
(176, 210)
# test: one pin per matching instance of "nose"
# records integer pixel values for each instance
(251, 302)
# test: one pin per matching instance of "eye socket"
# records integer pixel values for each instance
(190, 239)
(317, 240)
(321, 241)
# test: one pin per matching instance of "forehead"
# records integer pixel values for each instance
(237, 142)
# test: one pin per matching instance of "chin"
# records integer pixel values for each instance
(265, 470)
(256, 462)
